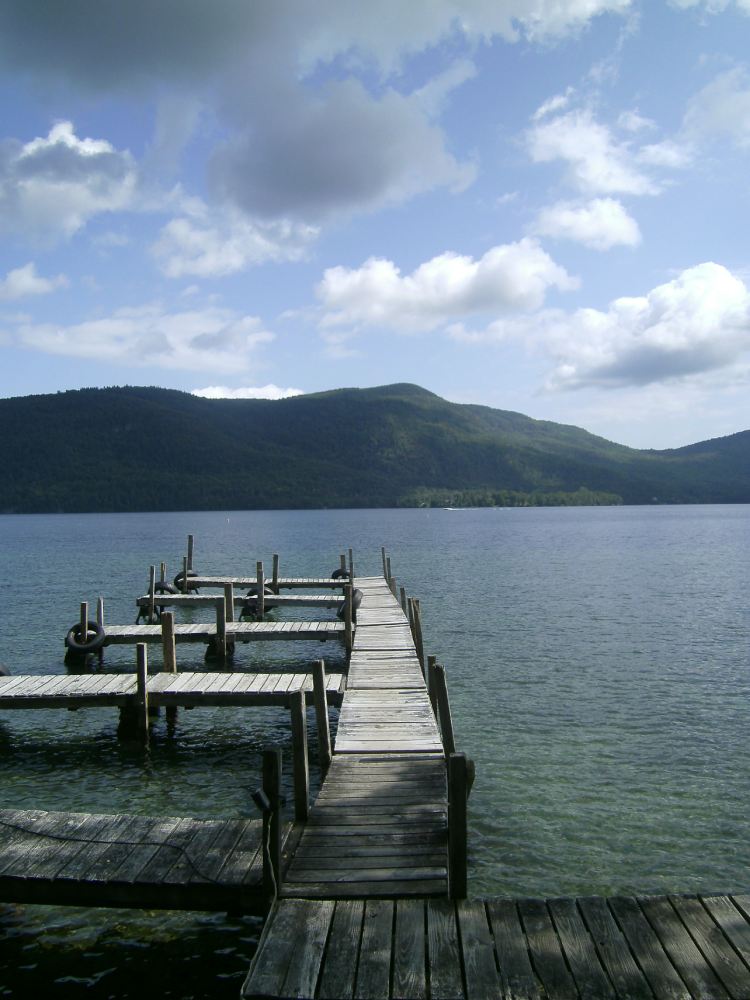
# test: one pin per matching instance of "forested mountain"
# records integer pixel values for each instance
(131, 449)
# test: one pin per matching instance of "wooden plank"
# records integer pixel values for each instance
(580, 951)
(304, 966)
(714, 946)
(443, 951)
(682, 950)
(516, 974)
(374, 968)
(286, 927)
(732, 922)
(613, 949)
(546, 953)
(409, 950)
(480, 967)
(647, 950)
(342, 955)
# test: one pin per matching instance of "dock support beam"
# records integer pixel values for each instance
(457, 843)
(321, 715)
(300, 764)
(272, 822)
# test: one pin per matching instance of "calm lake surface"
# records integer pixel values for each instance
(597, 664)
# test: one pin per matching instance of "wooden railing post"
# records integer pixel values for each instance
(169, 649)
(229, 601)
(300, 764)
(260, 598)
(385, 564)
(432, 683)
(320, 698)
(342, 563)
(351, 565)
(221, 628)
(348, 591)
(151, 593)
(275, 580)
(190, 552)
(457, 825)
(141, 697)
(444, 710)
(404, 607)
(272, 821)
(418, 642)
(100, 622)
(163, 572)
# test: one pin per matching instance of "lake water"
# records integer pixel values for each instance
(597, 664)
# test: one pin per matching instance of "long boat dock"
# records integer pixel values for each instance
(365, 894)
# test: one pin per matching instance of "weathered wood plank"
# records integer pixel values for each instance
(374, 969)
(409, 950)
(342, 955)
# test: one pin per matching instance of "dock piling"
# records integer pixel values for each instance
(190, 541)
(260, 598)
(141, 720)
(444, 710)
(272, 822)
(169, 647)
(151, 594)
(321, 715)
(275, 578)
(300, 763)
(457, 816)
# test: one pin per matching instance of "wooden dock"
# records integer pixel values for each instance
(161, 862)
(652, 948)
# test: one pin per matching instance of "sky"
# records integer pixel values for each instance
(536, 205)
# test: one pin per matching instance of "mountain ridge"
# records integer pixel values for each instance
(146, 448)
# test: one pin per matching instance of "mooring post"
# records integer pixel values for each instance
(275, 578)
(410, 606)
(403, 601)
(348, 591)
(169, 649)
(300, 763)
(320, 698)
(190, 552)
(221, 628)
(385, 563)
(342, 563)
(260, 600)
(229, 601)
(444, 710)
(351, 565)
(432, 683)
(388, 573)
(151, 594)
(418, 642)
(141, 697)
(272, 821)
(457, 839)
(84, 621)
(100, 623)
(163, 572)
(184, 574)
(393, 587)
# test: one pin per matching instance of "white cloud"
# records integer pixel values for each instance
(54, 185)
(211, 244)
(217, 340)
(712, 6)
(597, 162)
(699, 322)
(722, 108)
(601, 223)
(511, 277)
(670, 154)
(24, 281)
(247, 392)
(552, 104)
(633, 121)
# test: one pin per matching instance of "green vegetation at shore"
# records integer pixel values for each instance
(137, 449)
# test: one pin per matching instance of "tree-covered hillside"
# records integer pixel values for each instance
(122, 449)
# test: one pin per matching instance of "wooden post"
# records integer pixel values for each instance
(342, 562)
(190, 552)
(403, 601)
(275, 580)
(169, 648)
(260, 600)
(141, 698)
(457, 839)
(444, 711)
(221, 629)
(410, 606)
(348, 616)
(300, 764)
(418, 634)
(385, 564)
(393, 587)
(351, 565)
(100, 611)
(151, 593)
(184, 575)
(388, 574)
(432, 683)
(272, 822)
(163, 572)
(229, 601)
(84, 621)
(320, 698)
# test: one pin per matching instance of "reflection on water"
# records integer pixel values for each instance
(597, 668)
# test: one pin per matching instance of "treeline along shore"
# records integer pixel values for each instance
(137, 449)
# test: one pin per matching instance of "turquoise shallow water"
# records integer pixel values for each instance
(597, 663)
